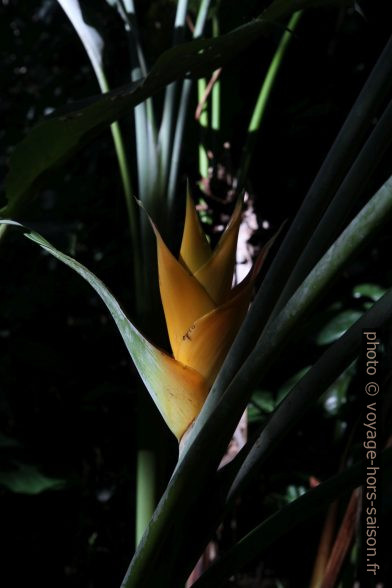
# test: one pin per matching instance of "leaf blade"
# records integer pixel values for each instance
(178, 391)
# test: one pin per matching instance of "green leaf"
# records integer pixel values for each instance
(56, 138)
(372, 291)
(26, 479)
(337, 326)
(6, 441)
(261, 403)
(336, 394)
(167, 380)
(293, 492)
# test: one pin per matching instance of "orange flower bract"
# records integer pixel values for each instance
(203, 311)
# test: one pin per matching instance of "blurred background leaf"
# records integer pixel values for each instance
(26, 479)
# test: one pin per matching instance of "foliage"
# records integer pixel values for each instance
(332, 240)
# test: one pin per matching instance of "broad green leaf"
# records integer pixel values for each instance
(337, 326)
(178, 391)
(57, 137)
(27, 479)
(372, 291)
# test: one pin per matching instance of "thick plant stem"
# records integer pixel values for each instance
(145, 490)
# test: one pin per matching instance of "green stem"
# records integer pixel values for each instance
(263, 99)
(132, 208)
(203, 121)
(216, 99)
(215, 107)
(120, 153)
(145, 490)
(121, 159)
(216, 90)
(124, 172)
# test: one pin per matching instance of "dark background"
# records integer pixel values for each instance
(67, 386)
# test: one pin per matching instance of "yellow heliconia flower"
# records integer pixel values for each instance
(203, 312)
